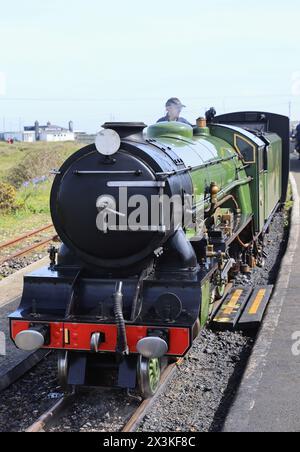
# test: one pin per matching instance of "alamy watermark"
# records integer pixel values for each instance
(155, 213)
(296, 344)
(2, 84)
(2, 344)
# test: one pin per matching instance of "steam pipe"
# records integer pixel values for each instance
(122, 346)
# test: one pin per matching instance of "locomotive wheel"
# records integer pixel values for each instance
(62, 369)
(149, 373)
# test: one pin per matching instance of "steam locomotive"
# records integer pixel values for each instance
(137, 276)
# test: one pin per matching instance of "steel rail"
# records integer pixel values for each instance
(51, 414)
(28, 249)
(139, 415)
(25, 236)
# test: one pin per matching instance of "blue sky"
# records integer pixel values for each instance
(93, 60)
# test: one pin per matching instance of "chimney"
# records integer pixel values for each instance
(71, 126)
(37, 130)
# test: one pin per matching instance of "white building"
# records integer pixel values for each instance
(57, 135)
(47, 133)
(51, 132)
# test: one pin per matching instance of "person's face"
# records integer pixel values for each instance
(174, 111)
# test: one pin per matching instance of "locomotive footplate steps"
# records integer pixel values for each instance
(231, 310)
(254, 311)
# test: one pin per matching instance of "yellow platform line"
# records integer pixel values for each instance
(230, 307)
(233, 302)
(257, 302)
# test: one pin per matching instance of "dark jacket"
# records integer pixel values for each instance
(166, 119)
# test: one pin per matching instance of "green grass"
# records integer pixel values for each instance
(10, 156)
(21, 162)
(33, 211)
(34, 199)
(20, 223)
(13, 155)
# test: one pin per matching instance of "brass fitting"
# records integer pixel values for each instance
(201, 123)
(210, 251)
(214, 189)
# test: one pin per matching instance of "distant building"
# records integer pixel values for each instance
(51, 132)
(85, 138)
(47, 133)
(27, 137)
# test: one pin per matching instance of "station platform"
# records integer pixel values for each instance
(268, 399)
(14, 362)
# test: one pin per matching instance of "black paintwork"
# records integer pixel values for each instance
(47, 294)
(74, 196)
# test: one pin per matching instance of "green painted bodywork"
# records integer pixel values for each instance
(242, 164)
(175, 130)
(265, 171)
(272, 174)
(205, 302)
(199, 147)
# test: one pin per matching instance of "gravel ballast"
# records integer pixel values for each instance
(14, 265)
(23, 402)
(193, 401)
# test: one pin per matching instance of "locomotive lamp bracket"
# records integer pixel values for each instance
(53, 251)
(108, 160)
(161, 333)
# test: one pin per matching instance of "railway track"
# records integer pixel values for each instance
(9, 251)
(51, 415)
